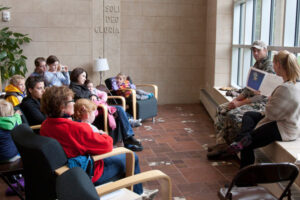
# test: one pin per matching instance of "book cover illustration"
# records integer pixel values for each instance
(255, 79)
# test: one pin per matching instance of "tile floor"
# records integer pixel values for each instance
(175, 144)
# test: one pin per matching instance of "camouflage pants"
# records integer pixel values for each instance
(228, 122)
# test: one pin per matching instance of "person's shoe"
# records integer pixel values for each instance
(17, 186)
(214, 155)
(150, 95)
(134, 147)
(216, 147)
(135, 123)
(211, 147)
(149, 194)
(132, 140)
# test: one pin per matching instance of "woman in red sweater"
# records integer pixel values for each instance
(78, 138)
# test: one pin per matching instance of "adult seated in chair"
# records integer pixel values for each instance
(281, 119)
(30, 105)
(229, 115)
(57, 74)
(40, 67)
(78, 138)
(78, 78)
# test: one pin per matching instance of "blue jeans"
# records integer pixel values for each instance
(126, 129)
(114, 168)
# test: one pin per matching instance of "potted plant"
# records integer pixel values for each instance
(12, 60)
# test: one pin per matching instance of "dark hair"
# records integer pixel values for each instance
(75, 74)
(32, 81)
(51, 59)
(38, 61)
(87, 81)
(53, 99)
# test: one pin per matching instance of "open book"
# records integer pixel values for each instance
(262, 81)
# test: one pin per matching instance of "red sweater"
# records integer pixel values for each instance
(77, 139)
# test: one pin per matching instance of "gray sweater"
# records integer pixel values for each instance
(284, 108)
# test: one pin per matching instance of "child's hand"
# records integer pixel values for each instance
(18, 112)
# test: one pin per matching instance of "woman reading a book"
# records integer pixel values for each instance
(229, 115)
(281, 119)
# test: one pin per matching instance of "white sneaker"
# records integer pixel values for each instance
(149, 194)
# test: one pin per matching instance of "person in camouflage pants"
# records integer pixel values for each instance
(229, 115)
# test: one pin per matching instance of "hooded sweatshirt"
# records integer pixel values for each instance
(15, 99)
(7, 146)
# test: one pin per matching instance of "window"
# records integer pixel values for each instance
(276, 22)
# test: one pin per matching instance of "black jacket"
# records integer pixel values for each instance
(31, 108)
(81, 91)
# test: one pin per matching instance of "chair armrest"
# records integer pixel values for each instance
(105, 117)
(155, 88)
(133, 100)
(121, 98)
(166, 186)
(117, 151)
(36, 127)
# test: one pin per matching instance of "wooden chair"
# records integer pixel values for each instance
(76, 185)
(244, 184)
(105, 110)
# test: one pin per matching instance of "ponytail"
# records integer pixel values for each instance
(290, 64)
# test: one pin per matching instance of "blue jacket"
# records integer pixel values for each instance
(85, 162)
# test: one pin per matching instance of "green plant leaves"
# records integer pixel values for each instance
(11, 59)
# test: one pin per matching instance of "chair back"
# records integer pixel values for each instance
(76, 185)
(40, 156)
(266, 173)
(108, 83)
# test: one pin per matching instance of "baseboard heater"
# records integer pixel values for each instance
(209, 103)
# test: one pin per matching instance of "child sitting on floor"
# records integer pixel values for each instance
(15, 91)
(85, 110)
(120, 83)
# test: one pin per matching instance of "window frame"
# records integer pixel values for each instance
(240, 60)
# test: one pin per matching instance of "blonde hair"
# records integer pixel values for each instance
(123, 76)
(14, 80)
(289, 62)
(6, 108)
(83, 106)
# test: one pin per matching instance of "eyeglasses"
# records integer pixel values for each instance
(70, 101)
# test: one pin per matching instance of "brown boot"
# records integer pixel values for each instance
(211, 148)
(218, 152)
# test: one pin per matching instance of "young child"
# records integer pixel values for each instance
(85, 110)
(15, 91)
(8, 120)
(120, 82)
(101, 99)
